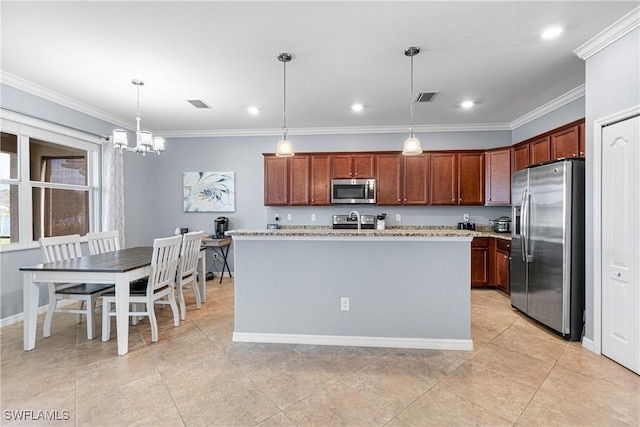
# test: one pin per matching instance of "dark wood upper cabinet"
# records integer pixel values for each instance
(581, 144)
(415, 178)
(389, 179)
(346, 166)
(320, 180)
(402, 180)
(443, 184)
(498, 177)
(299, 180)
(276, 181)
(566, 143)
(520, 156)
(471, 178)
(540, 150)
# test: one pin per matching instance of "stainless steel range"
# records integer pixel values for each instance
(350, 222)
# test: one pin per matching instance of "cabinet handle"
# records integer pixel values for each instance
(398, 200)
(574, 155)
(582, 153)
(453, 200)
(356, 173)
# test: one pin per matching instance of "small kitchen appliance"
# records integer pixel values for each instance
(502, 224)
(350, 222)
(220, 225)
(380, 223)
(353, 191)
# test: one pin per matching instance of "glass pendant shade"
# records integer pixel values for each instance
(120, 138)
(284, 149)
(146, 140)
(412, 147)
(158, 143)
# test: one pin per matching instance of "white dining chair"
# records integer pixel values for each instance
(63, 248)
(159, 288)
(101, 242)
(187, 269)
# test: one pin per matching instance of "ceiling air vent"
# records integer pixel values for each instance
(198, 103)
(425, 96)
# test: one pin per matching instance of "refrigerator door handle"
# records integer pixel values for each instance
(523, 232)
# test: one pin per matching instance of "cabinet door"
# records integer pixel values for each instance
(415, 179)
(471, 178)
(444, 179)
(299, 180)
(520, 157)
(276, 180)
(320, 180)
(480, 262)
(502, 270)
(540, 150)
(364, 166)
(498, 168)
(565, 144)
(581, 137)
(341, 166)
(388, 179)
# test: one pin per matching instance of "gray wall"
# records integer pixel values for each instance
(612, 85)
(568, 113)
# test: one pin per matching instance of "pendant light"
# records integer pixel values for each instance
(285, 149)
(412, 144)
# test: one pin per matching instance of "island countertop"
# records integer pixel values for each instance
(426, 233)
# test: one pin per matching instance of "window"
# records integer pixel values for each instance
(48, 184)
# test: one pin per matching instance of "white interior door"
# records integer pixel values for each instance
(621, 242)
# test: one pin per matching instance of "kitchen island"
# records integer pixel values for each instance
(394, 288)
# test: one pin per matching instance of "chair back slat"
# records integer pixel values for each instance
(164, 262)
(103, 241)
(60, 248)
(189, 253)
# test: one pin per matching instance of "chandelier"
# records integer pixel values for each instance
(145, 141)
(412, 144)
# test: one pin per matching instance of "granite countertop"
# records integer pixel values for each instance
(419, 231)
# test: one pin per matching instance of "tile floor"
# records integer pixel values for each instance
(518, 374)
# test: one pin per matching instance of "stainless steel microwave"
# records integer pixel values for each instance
(353, 191)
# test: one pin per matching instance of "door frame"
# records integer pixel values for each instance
(596, 152)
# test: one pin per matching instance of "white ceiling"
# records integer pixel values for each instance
(225, 53)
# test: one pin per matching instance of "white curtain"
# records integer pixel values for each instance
(112, 190)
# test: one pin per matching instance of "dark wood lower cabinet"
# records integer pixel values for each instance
(490, 263)
(480, 262)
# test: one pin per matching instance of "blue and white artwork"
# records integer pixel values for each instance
(208, 191)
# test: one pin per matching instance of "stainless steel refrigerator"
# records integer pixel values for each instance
(547, 245)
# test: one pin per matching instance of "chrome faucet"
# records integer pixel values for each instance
(358, 218)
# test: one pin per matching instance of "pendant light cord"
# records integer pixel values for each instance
(411, 125)
(284, 103)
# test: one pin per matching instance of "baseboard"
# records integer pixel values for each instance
(588, 344)
(354, 341)
(11, 320)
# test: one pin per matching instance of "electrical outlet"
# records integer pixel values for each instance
(277, 217)
(344, 303)
(398, 217)
(313, 217)
(465, 217)
(288, 217)
(215, 256)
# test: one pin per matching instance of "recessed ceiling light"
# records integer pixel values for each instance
(551, 33)
(357, 107)
(253, 110)
(467, 104)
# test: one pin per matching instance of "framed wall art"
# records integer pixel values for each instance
(208, 191)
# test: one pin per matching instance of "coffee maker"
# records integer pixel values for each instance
(220, 225)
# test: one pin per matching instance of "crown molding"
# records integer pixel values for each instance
(49, 95)
(550, 106)
(347, 130)
(609, 35)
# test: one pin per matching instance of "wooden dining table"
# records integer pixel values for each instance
(119, 267)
